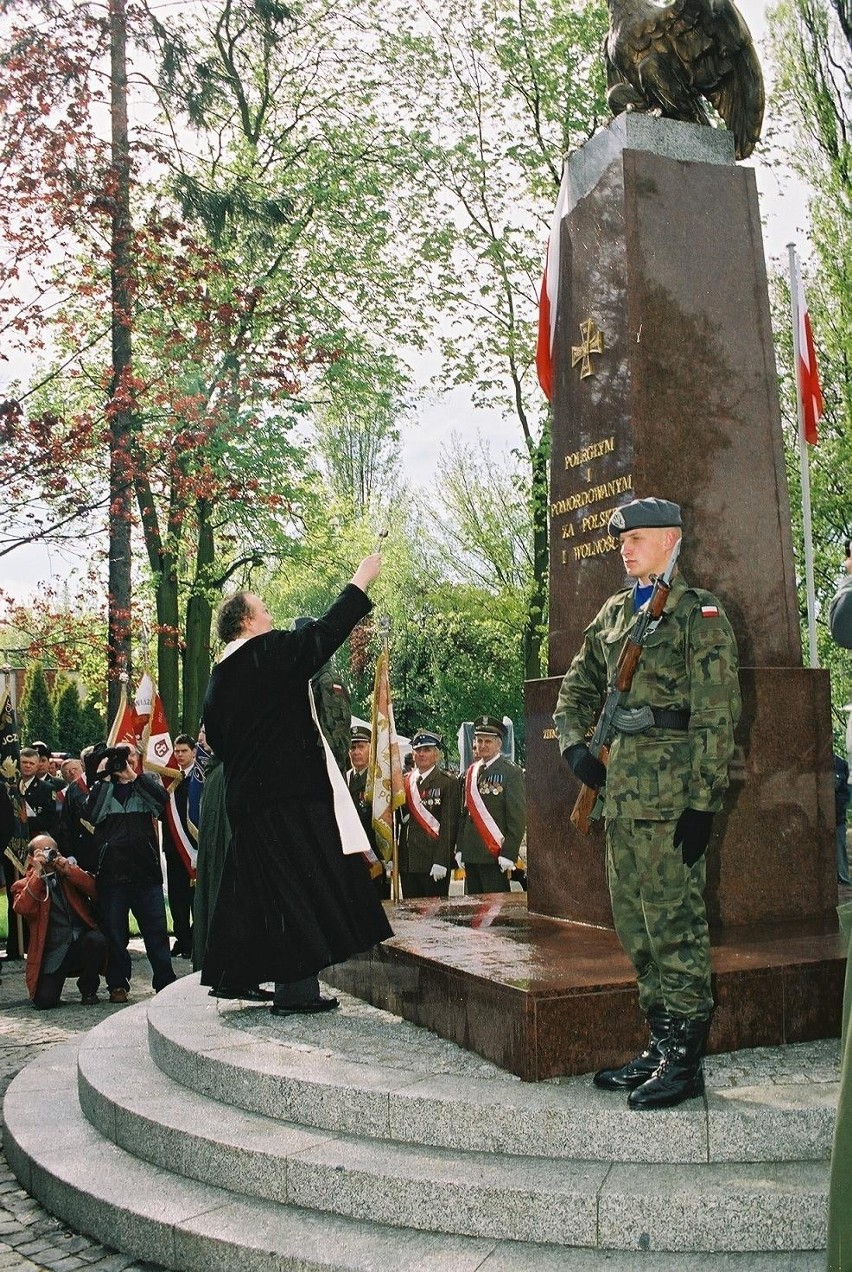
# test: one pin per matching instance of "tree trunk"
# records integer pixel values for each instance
(120, 408)
(199, 614)
(536, 624)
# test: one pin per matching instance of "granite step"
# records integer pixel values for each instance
(365, 1072)
(159, 1215)
(712, 1206)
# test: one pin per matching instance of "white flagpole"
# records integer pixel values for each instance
(807, 525)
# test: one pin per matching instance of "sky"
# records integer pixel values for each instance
(783, 208)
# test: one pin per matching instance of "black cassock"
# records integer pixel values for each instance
(289, 903)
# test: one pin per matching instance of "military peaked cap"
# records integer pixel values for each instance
(491, 726)
(645, 514)
(42, 748)
(360, 733)
(423, 737)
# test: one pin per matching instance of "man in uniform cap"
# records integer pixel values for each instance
(428, 833)
(360, 737)
(665, 777)
(494, 811)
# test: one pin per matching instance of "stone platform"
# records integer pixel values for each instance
(542, 997)
(211, 1136)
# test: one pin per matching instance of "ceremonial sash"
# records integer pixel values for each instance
(187, 850)
(353, 837)
(489, 832)
(425, 820)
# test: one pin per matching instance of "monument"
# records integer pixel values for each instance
(664, 384)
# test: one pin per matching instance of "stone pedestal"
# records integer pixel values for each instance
(662, 255)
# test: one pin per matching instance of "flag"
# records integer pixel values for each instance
(156, 740)
(807, 370)
(549, 295)
(384, 788)
(195, 784)
(10, 744)
(124, 730)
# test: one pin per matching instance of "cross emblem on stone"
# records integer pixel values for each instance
(593, 342)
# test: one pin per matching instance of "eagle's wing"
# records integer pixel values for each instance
(712, 40)
(739, 95)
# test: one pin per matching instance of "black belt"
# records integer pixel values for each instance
(670, 719)
(641, 719)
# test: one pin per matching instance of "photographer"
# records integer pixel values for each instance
(53, 897)
(122, 808)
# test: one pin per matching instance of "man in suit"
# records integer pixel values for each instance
(179, 849)
(428, 835)
(494, 811)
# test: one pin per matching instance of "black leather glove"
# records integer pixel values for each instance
(587, 768)
(692, 834)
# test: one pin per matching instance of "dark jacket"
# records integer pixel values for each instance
(256, 712)
(126, 834)
(418, 850)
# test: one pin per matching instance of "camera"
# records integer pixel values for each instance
(50, 855)
(117, 759)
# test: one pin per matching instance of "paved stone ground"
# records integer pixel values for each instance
(31, 1240)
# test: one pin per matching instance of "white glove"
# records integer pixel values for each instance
(459, 861)
(506, 864)
(388, 868)
(438, 873)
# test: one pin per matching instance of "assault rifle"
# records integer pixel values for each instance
(646, 622)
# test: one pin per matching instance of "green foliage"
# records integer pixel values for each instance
(92, 723)
(69, 720)
(38, 718)
(810, 48)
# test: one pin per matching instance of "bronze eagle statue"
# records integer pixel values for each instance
(667, 58)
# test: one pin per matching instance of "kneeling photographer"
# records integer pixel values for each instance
(54, 898)
(123, 808)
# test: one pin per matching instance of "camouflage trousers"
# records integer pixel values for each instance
(659, 915)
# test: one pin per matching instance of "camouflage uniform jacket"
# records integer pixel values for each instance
(689, 664)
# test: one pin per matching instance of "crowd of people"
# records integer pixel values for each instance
(266, 881)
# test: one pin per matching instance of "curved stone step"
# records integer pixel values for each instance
(363, 1071)
(573, 1203)
(157, 1215)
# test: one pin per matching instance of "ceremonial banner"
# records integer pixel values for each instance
(124, 729)
(157, 749)
(10, 745)
(384, 789)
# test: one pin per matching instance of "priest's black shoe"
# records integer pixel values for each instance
(304, 1009)
(640, 1068)
(679, 1075)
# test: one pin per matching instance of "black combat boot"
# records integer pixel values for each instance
(640, 1068)
(679, 1075)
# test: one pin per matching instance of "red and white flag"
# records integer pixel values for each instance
(807, 371)
(126, 730)
(158, 754)
(549, 295)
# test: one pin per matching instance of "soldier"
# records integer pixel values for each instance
(663, 785)
(428, 834)
(356, 779)
(494, 811)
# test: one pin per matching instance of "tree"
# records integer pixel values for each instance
(498, 93)
(39, 721)
(811, 43)
(92, 724)
(285, 184)
(69, 724)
